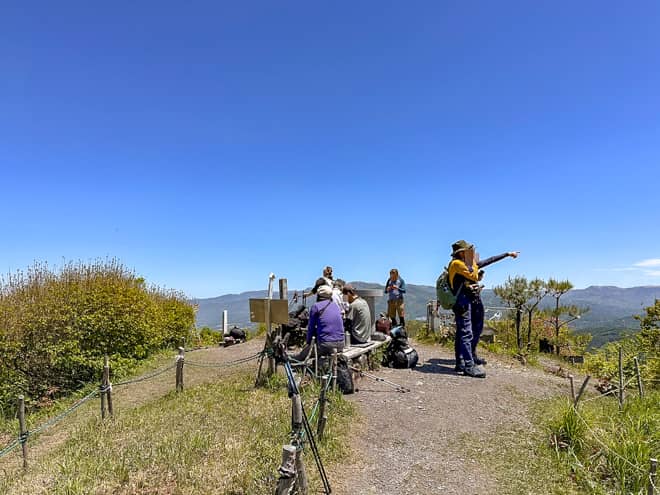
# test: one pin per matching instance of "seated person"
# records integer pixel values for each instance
(358, 315)
(325, 323)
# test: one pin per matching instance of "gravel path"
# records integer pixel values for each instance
(412, 443)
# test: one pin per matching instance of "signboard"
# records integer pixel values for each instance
(279, 310)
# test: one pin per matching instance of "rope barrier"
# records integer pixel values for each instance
(146, 377)
(9, 448)
(207, 364)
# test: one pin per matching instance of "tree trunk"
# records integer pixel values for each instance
(518, 322)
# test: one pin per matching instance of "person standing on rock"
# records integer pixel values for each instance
(465, 273)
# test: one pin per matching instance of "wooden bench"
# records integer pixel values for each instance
(354, 351)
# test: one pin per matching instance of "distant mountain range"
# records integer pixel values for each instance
(611, 309)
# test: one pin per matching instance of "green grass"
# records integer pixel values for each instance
(223, 438)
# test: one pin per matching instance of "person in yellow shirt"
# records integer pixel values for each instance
(465, 273)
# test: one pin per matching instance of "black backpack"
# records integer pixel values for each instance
(344, 376)
(398, 353)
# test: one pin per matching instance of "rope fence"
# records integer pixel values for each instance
(105, 392)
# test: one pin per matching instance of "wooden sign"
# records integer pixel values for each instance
(279, 310)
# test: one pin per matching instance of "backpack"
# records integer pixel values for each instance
(383, 325)
(446, 298)
(405, 358)
(398, 353)
(344, 376)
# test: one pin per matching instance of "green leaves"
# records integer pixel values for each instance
(55, 326)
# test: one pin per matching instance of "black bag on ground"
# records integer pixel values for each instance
(344, 376)
(398, 353)
(405, 358)
(237, 333)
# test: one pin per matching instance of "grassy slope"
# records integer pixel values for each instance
(223, 437)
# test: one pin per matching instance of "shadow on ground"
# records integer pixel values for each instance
(437, 366)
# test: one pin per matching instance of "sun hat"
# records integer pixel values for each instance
(460, 246)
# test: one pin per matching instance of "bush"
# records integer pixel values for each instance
(55, 327)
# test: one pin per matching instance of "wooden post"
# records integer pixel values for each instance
(320, 426)
(287, 470)
(639, 378)
(620, 377)
(284, 292)
(179, 369)
(269, 330)
(23, 429)
(301, 474)
(297, 429)
(106, 384)
(102, 394)
(581, 391)
(334, 370)
(570, 377)
(106, 391)
(652, 470)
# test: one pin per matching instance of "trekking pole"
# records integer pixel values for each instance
(399, 388)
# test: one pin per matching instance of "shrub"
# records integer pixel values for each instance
(55, 327)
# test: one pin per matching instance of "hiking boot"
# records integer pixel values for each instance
(479, 361)
(475, 371)
(460, 366)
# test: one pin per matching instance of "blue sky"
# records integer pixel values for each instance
(206, 144)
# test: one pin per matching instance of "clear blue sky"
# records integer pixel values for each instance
(206, 144)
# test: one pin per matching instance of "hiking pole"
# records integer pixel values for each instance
(399, 388)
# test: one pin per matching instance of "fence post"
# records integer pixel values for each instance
(320, 427)
(570, 377)
(620, 377)
(334, 370)
(24, 433)
(106, 384)
(652, 470)
(639, 378)
(102, 394)
(179, 369)
(297, 431)
(581, 391)
(287, 470)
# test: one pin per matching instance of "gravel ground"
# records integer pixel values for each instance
(412, 443)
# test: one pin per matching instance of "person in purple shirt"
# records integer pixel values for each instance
(325, 323)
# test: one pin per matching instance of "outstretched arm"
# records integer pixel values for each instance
(499, 257)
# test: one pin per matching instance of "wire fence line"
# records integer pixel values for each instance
(22, 438)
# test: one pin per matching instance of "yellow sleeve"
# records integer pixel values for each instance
(458, 267)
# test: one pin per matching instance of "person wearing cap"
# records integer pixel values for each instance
(325, 323)
(395, 288)
(465, 273)
(358, 316)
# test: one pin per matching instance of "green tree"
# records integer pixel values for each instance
(535, 292)
(514, 294)
(557, 289)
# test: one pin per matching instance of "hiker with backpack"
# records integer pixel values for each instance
(464, 274)
(395, 288)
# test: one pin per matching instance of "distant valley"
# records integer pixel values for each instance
(611, 308)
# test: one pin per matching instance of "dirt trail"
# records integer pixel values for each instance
(412, 443)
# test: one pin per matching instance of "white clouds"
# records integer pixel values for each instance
(653, 273)
(653, 262)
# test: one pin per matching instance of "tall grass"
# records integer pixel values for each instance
(606, 447)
